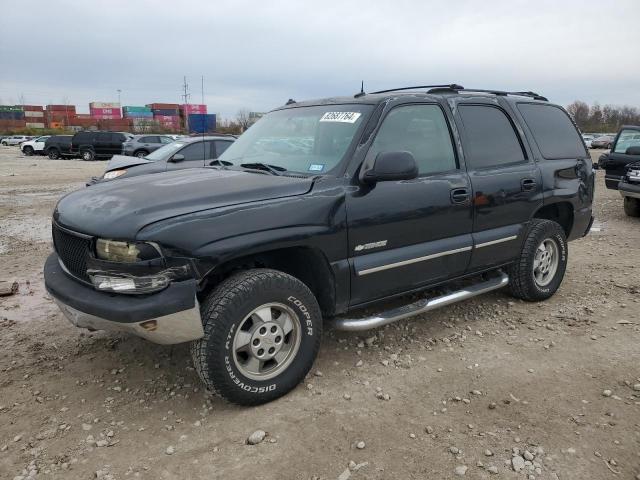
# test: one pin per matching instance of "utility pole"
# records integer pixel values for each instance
(119, 92)
(185, 97)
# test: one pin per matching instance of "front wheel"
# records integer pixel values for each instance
(262, 332)
(53, 154)
(28, 151)
(87, 155)
(141, 154)
(539, 270)
(632, 206)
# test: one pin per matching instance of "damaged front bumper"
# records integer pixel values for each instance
(166, 317)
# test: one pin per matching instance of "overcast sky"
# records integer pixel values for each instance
(257, 54)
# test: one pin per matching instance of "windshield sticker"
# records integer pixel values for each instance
(343, 117)
(316, 167)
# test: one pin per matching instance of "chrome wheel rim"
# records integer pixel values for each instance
(86, 156)
(545, 262)
(267, 341)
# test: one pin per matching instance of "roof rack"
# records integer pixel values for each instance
(451, 86)
(458, 88)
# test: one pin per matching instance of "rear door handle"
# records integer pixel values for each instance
(528, 184)
(459, 195)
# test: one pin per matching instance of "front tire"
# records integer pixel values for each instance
(141, 153)
(87, 155)
(53, 154)
(538, 272)
(632, 206)
(262, 332)
(28, 151)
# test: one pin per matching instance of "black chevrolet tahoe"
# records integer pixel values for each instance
(322, 208)
(88, 145)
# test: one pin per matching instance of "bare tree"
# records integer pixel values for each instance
(242, 119)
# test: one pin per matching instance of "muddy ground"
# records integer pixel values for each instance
(461, 387)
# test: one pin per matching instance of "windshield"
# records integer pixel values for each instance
(310, 140)
(165, 152)
(627, 138)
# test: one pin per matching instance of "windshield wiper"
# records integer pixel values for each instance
(273, 169)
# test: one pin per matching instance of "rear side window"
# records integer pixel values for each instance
(491, 138)
(553, 131)
(421, 130)
(627, 139)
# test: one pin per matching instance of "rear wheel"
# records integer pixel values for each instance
(141, 153)
(262, 334)
(87, 155)
(539, 270)
(632, 206)
(28, 151)
(53, 154)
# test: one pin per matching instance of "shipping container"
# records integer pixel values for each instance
(55, 125)
(11, 114)
(167, 118)
(9, 124)
(82, 115)
(128, 114)
(34, 125)
(130, 108)
(33, 114)
(61, 108)
(96, 112)
(169, 106)
(104, 105)
(190, 108)
(166, 111)
(106, 117)
(202, 123)
(33, 108)
(11, 108)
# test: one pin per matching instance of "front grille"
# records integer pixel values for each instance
(73, 251)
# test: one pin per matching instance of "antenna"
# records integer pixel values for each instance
(204, 147)
(361, 93)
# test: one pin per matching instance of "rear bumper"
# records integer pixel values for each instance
(167, 317)
(611, 180)
(627, 189)
(582, 221)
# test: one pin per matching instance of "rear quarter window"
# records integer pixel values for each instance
(553, 131)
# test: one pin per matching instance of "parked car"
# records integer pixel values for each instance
(58, 146)
(143, 145)
(186, 153)
(317, 210)
(629, 188)
(35, 146)
(588, 139)
(88, 145)
(13, 140)
(602, 142)
(625, 150)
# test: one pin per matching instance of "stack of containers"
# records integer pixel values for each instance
(34, 116)
(140, 117)
(11, 117)
(105, 110)
(191, 109)
(57, 116)
(82, 120)
(166, 114)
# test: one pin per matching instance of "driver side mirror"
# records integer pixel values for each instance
(390, 166)
(177, 158)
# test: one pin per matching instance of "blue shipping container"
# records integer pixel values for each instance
(129, 108)
(130, 114)
(202, 123)
(14, 115)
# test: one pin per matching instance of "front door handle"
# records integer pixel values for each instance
(459, 195)
(528, 184)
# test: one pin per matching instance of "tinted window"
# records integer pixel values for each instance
(491, 139)
(166, 140)
(83, 137)
(153, 140)
(221, 147)
(194, 152)
(144, 140)
(421, 130)
(104, 137)
(552, 130)
(627, 138)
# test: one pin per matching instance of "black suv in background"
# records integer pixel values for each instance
(625, 150)
(86, 145)
(322, 208)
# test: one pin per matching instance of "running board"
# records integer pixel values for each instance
(421, 306)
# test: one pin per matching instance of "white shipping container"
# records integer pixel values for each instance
(104, 105)
(34, 125)
(30, 113)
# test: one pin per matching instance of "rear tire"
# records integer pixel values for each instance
(538, 272)
(53, 154)
(87, 155)
(632, 206)
(28, 151)
(141, 154)
(262, 332)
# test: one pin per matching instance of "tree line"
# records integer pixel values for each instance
(605, 119)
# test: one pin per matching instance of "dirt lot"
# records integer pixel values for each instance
(463, 387)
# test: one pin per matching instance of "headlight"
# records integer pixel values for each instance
(130, 284)
(113, 174)
(125, 252)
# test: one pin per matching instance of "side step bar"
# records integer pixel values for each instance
(421, 306)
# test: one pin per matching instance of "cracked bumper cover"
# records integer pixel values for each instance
(167, 317)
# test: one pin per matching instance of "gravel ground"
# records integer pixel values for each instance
(490, 388)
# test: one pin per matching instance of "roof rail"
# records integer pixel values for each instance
(444, 89)
(451, 86)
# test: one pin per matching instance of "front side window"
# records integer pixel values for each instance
(491, 138)
(221, 146)
(311, 140)
(165, 140)
(421, 130)
(626, 139)
(194, 152)
(553, 131)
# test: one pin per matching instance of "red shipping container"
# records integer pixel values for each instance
(62, 108)
(163, 106)
(193, 108)
(82, 115)
(105, 111)
(11, 124)
(33, 108)
(166, 118)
